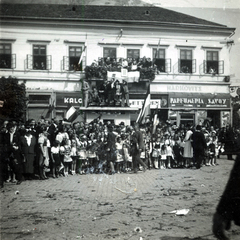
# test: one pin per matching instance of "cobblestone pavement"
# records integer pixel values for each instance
(100, 206)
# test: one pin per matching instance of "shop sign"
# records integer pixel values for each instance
(202, 101)
(68, 98)
(72, 100)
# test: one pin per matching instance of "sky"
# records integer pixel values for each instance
(196, 3)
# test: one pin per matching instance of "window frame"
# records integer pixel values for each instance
(6, 58)
(133, 49)
(185, 64)
(159, 61)
(39, 57)
(106, 55)
(212, 64)
(72, 60)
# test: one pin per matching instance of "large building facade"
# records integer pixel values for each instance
(41, 45)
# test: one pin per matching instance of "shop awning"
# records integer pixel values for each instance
(199, 100)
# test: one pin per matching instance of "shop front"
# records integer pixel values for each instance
(50, 104)
(194, 104)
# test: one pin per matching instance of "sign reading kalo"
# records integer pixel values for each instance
(199, 102)
(68, 98)
(72, 100)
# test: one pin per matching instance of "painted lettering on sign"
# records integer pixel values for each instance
(199, 102)
(186, 101)
(181, 88)
(72, 100)
(221, 101)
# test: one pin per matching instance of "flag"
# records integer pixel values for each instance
(83, 54)
(155, 57)
(157, 48)
(71, 114)
(156, 119)
(145, 111)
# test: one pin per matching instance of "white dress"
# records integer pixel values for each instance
(188, 150)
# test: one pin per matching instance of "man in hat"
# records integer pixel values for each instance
(85, 91)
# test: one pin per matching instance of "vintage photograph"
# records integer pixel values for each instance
(120, 119)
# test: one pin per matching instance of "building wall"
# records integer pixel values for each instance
(61, 36)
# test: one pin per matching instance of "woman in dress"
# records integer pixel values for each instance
(42, 151)
(188, 150)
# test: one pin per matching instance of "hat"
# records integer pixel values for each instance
(198, 127)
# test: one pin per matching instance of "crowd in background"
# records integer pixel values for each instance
(43, 149)
(145, 66)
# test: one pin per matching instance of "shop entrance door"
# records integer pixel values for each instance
(187, 118)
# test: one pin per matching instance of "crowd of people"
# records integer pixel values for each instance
(145, 66)
(109, 93)
(39, 150)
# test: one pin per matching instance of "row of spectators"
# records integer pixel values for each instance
(57, 148)
(145, 66)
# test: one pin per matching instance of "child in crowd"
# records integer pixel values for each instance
(126, 156)
(82, 161)
(156, 153)
(163, 159)
(66, 151)
(169, 151)
(55, 156)
(74, 156)
(119, 151)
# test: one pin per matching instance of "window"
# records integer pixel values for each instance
(212, 62)
(159, 59)
(74, 57)
(133, 54)
(6, 57)
(109, 52)
(39, 57)
(163, 64)
(185, 63)
(39, 99)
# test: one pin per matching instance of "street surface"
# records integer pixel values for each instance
(121, 206)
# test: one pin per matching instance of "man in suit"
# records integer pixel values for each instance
(137, 146)
(199, 146)
(12, 148)
(111, 148)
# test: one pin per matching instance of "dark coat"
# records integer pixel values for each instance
(29, 153)
(198, 142)
(137, 142)
(229, 205)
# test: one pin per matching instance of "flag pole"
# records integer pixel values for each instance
(158, 46)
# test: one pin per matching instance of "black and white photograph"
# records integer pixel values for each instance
(120, 119)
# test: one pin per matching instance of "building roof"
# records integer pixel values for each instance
(86, 13)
